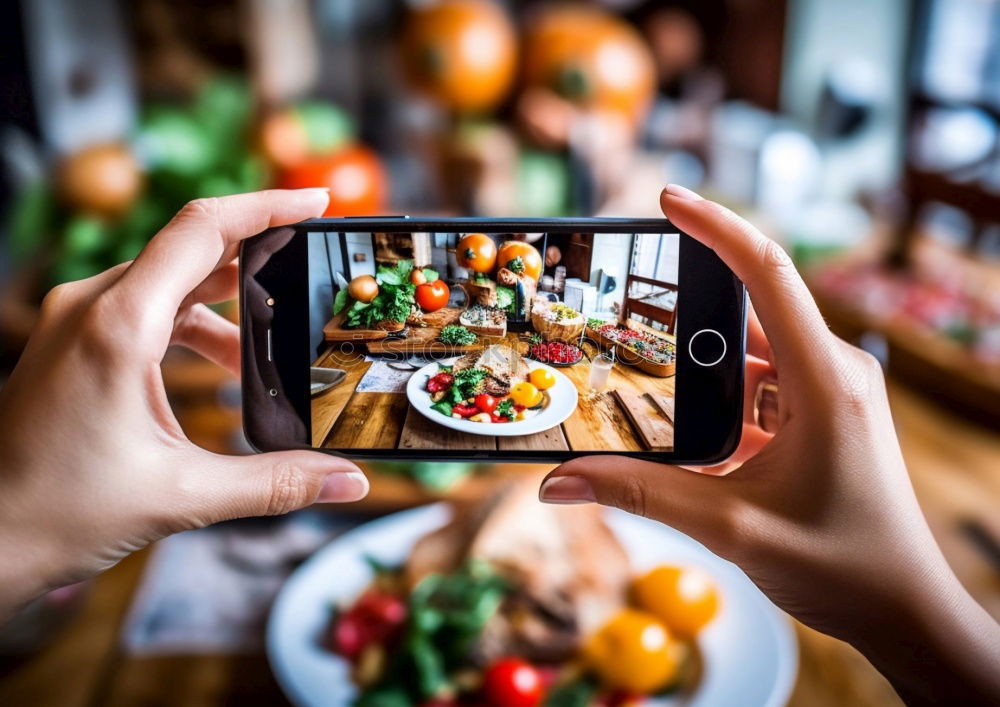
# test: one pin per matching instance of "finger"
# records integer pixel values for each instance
(222, 487)
(757, 372)
(752, 441)
(757, 344)
(207, 233)
(788, 314)
(221, 286)
(207, 334)
(680, 498)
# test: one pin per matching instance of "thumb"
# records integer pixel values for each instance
(271, 484)
(699, 505)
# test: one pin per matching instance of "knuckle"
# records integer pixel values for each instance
(100, 337)
(204, 207)
(631, 496)
(58, 300)
(289, 489)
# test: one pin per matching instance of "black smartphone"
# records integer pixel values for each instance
(491, 339)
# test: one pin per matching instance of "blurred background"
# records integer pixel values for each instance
(863, 134)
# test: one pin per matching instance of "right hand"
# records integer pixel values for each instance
(821, 514)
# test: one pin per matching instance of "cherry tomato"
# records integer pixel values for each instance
(432, 296)
(633, 652)
(442, 381)
(685, 599)
(354, 176)
(486, 403)
(513, 683)
(498, 418)
(350, 635)
(465, 410)
(476, 252)
(526, 394)
(542, 378)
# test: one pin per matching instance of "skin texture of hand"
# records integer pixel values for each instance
(94, 464)
(821, 514)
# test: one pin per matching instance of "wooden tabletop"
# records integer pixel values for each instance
(342, 417)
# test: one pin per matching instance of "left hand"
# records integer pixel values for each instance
(94, 464)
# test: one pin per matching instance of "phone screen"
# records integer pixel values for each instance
(484, 342)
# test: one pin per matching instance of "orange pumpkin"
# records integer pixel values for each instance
(530, 260)
(476, 252)
(462, 53)
(591, 58)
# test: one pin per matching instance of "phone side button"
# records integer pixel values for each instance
(707, 347)
(270, 358)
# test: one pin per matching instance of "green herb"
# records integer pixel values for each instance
(467, 382)
(505, 299)
(535, 339)
(443, 406)
(340, 301)
(454, 335)
(594, 323)
(393, 303)
(505, 409)
(578, 693)
(398, 274)
(431, 275)
(516, 265)
(481, 277)
(446, 614)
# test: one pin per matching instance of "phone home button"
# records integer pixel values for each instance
(707, 347)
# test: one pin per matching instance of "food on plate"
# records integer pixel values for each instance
(455, 335)
(510, 604)
(685, 599)
(634, 652)
(520, 257)
(462, 53)
(555, 352)
(485, 321)
(363, 289)
(648, 346)
(389, 300)
(486, 386)
(555, 321)
(432, 296)
(476, 252)
(542, 378)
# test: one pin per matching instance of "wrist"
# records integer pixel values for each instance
(935, 644)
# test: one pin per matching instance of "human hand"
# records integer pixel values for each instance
(95, 465)
(818, 508)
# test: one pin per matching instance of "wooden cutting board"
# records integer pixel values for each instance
(335, 331)
(652, 426)
(423, 341)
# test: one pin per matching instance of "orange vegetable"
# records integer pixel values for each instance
(530, 260)
(476, 252)
(685, 599)
(633, 652)
(354, 176)
(591, 58)
(462, 53)
(103, 179)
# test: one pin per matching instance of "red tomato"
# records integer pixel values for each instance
(354, 176)
(513, 683)
(432, 296)
(486, 403)
(350, 635)
(465, 410)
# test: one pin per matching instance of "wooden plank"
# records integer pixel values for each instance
(334, 330)
(664, 403)
(655, 430)
(421, 433)
(369, 421)
(551, 439)
(326, 407)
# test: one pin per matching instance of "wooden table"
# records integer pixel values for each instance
(953, 462)
(344, 418)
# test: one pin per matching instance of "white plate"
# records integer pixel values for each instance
(562, 403)
(749, 649)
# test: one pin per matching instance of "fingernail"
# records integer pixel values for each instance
(341, 486)
(566, 490)
(676, 190)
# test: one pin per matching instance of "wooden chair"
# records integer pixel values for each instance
(642, 303)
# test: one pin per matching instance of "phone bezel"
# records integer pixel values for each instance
(276, 398)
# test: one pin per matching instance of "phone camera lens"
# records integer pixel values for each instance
(273, 392)
(269, 301)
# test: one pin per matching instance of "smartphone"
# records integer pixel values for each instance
(535, 340)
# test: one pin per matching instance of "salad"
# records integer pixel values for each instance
(493, 386)
(510, 605)
(648, 346)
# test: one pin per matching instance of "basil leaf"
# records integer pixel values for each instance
(340, 301)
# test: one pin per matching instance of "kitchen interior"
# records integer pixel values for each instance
(863, 135)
